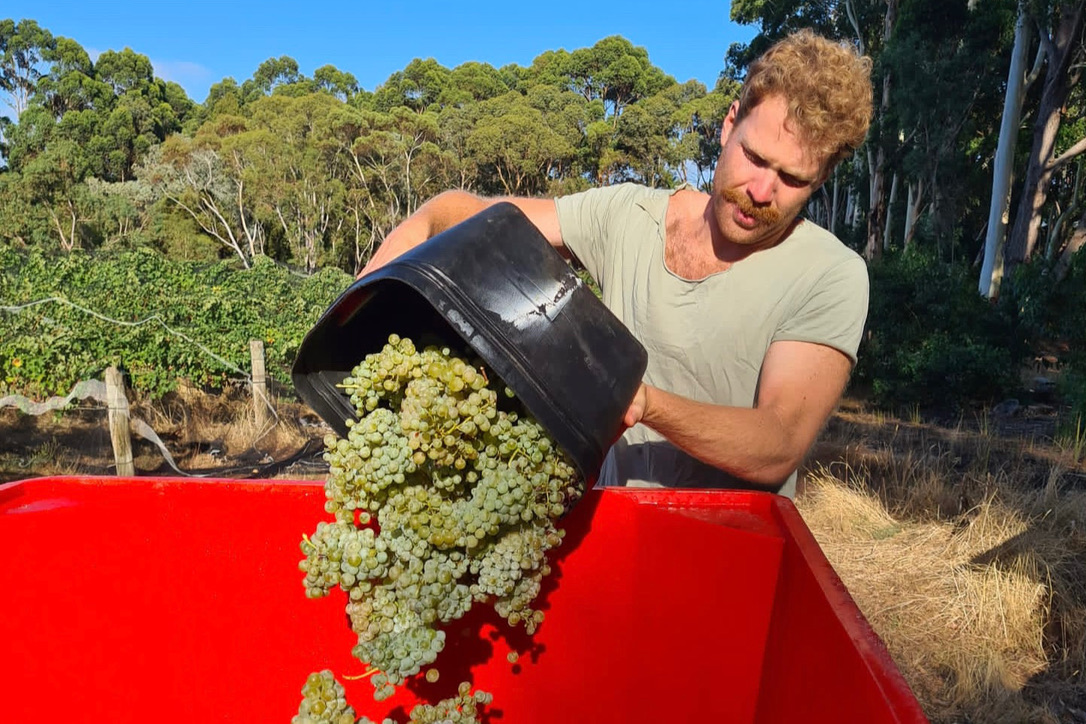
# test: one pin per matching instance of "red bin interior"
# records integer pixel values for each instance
(180, 600)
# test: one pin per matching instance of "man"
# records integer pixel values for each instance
(750, 315)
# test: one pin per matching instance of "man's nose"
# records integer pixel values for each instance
(761, 186)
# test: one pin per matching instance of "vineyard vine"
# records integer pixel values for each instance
(67, 318)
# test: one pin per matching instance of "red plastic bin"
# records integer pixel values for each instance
(180, 600)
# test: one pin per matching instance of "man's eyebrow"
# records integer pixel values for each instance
(791, 175)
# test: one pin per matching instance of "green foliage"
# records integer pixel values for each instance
(932, 340)
(160, 320)
(1054, 310)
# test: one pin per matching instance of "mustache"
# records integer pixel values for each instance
(764, 214)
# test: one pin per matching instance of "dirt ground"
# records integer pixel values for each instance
(215, 435)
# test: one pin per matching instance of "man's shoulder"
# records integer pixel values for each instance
(809, 237)
(689, 196)
(614, 202)
(630, 191)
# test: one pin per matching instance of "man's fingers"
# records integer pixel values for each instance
(636, 410)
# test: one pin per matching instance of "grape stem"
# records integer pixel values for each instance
(516, 452)
(368, 672)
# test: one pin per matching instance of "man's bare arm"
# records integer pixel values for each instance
(800, 385)
(450, 208)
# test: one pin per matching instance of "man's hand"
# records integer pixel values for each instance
(636, 410)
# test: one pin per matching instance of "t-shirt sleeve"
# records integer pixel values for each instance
(835, 311)
(587, 221)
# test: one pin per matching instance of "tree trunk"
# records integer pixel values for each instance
(991, 271)
(877, 164)
(877, 215)
(1077, 241)
(887, 231)
(1064, 51)
(836, 202)
(913, 208)
(1055, 231)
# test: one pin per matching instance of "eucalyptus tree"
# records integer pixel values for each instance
(114, 110)
(339, 83)
(1020, 76)
(87, 120)
(208, 178)
(144, 110)
(53, 181)
(472, 82)
(517, 150)
(1060, 25)
(389, 163)
(24, 47)
(615, 71)
(652, 135)
(22, 221)
(285, 145)
(273, 73)
(455, 124)
(418, 87)
(948, 59)
(568, 115)
(71, 84)
(701, 121)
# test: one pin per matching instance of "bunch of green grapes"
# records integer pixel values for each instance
(323, 702)
(443, 497)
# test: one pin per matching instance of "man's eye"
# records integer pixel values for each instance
(756, 160)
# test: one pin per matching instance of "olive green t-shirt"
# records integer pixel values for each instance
(707, 338)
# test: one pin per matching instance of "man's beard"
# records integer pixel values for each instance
(765, 215)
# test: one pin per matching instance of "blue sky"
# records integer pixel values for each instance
(198, 43)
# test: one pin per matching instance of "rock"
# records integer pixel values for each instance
(1043, 385)
(1007, 408)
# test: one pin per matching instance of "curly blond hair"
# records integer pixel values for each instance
(827, 86)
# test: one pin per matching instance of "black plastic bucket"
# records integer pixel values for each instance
(495, 284)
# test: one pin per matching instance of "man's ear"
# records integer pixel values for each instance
(729, 122)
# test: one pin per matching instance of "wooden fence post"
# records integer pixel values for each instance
(118, 422)
(261, 401)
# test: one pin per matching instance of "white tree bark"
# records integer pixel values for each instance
(991, 271)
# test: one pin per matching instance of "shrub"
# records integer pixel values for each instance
(931, 340)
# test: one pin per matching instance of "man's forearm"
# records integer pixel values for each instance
(439, 213)
(752, 444)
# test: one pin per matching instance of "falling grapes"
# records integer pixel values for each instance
(323, 702)
(443, 497)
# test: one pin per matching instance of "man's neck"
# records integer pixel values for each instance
(694, 245)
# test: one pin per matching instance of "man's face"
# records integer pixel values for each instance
(764, 176)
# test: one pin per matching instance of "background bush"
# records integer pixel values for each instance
(932, 341)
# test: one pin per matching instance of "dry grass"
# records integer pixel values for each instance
(965, 551)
